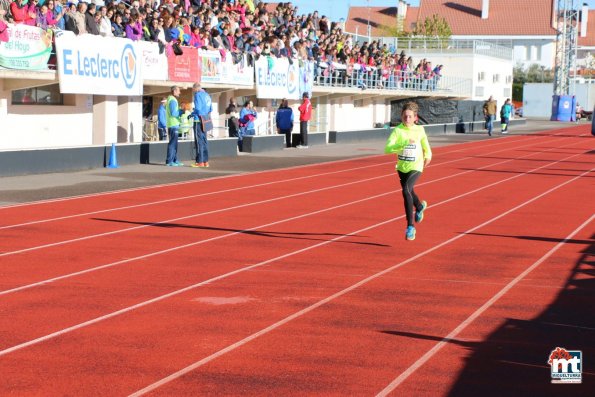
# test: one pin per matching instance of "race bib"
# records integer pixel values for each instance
(409, 153)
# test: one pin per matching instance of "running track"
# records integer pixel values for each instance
(300, 282)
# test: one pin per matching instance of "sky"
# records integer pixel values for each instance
(337, 9)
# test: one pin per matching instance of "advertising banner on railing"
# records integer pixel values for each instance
(276, 78)
(90, 64)
(27, 48)
(219, 68)
(154, 64)
(211, 67)
(185, 67)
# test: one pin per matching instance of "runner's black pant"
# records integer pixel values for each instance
(408, 180)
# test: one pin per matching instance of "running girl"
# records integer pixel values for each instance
(410, 143)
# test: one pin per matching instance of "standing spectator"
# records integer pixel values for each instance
(505, 113)
(161, 120)
(410, 143)
(490, 107)
(284, 120)
(247, 117)
(79, 18)
(172, 121)
(105, 23)
(305, 116)
(203, 107)
(134, 28)
(91, 21)
(186, 120)
(23, 13)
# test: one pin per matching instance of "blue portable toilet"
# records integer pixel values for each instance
(563, 108)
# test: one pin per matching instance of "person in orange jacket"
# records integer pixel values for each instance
(305, 116)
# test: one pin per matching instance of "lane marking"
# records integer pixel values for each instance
(290, 254)
(227, 190)
(310, 308)
(54, 279)
(453, 334)
(123, 230)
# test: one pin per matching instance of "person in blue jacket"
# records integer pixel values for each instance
(247, 117)
(203, 106)
(284, 120)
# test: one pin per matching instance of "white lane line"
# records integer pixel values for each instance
(239, 175)
(241, 270)
(240, 206)
(308, 309)
(453, 334)
(190, 196)
(225, 190)
(54, 279)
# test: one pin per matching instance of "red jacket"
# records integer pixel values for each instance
(305, 110)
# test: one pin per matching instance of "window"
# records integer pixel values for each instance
(479, 91)
(481, 76)
(507, 93)
(496, 78)
(47, 95)
(508, 79)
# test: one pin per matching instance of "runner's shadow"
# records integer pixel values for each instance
(259, 233)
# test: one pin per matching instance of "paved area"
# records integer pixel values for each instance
(21, 189)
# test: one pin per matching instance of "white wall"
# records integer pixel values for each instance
(45, 126)
(541, 52)
(537, 98)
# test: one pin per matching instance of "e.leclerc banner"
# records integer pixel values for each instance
(90, 64)
(276, 78)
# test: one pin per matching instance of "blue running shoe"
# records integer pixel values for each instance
(419, 215)
(410, 233)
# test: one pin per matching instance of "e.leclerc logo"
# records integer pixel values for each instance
(102, 66)
(292, 79)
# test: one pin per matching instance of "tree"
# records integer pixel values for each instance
(434, 26)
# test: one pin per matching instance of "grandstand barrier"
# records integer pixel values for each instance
(26, 162)
(358, 136)
(263, 143)
(314, 138)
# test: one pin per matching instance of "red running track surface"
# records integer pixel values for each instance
(300, 281)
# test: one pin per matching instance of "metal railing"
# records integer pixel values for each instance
(400, 81)
(416, 46)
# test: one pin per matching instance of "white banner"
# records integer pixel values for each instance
(276, 78)
(90, 64)
(154, 64)
(27, 48)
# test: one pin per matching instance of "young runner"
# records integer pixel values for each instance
(409, 141)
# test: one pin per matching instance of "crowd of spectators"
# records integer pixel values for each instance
(236, 28)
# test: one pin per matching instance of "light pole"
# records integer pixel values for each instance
(369, 29)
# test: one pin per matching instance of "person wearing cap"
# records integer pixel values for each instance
(161, 120)
(305, 116)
